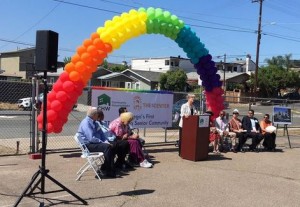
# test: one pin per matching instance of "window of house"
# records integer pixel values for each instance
(235, 69)
(137, 85)
(172, 63)
(128, 85)
(167, 62)
(229, 68)
(176, 63)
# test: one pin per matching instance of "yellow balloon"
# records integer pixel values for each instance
(142, 16)
(116, 19)
(108, 23)
(100, 30)
(133, 12)
(124, 15)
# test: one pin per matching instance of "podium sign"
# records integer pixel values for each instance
(195, 139)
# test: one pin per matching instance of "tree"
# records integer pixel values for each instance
(272, 78)
(281, 61)
(173, 80)
(105, 64)
(67, 60)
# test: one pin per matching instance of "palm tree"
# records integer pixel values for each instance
(281, 61)
(67, 60)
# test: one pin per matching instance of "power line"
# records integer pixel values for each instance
(39, 21)
(89, 7)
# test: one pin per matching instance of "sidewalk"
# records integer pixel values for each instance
(242, 179)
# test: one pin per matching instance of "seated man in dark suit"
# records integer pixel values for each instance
(251, 124)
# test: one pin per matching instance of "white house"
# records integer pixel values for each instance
(163, 64)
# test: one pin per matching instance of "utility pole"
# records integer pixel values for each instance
(258, 44)
(224, 69)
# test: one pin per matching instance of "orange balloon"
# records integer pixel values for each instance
(94, 35)
(75, 58)
(86, 77)
(74, 76)
(87, 43)
(92, 50)
(98, 43)
(108, 47)
(102, 54)
(80, 67)
(86, 58)
(70, 67)
(81, 49)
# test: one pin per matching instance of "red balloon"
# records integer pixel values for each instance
(68, 86)
(72, 96)
(56, 105)
(49, 128)
(51, 96)
(58, 86)
(68, 106)
(51, 115)
(61, 96)
(64, 77)
(40, 117)
(79, 85)
(63, 115)
(40, 126)
(58, 129)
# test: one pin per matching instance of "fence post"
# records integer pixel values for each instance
(33, 114)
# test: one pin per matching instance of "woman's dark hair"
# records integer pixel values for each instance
(122, 110)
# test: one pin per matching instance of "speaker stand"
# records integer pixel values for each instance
(39, 177)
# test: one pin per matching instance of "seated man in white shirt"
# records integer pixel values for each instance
(222, 126)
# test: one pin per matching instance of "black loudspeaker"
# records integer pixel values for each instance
(46, 51)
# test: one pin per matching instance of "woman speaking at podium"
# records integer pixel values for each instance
(186, 110)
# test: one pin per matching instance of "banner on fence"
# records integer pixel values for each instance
(151, 109)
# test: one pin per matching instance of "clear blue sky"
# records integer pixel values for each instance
(224, 26)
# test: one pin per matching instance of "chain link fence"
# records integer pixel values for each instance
(18, 126)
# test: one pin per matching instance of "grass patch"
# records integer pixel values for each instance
(8, 106)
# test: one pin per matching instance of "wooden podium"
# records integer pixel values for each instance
(195, 139)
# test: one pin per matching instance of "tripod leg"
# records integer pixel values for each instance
(66, 189)
(27, 188)
(287, 133)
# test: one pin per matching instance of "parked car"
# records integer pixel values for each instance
(26, 103)
(286, 98)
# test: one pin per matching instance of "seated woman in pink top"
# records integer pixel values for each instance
(120, 127)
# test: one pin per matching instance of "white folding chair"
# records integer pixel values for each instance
(94, 160)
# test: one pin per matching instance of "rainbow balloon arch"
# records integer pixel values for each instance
(111, 36)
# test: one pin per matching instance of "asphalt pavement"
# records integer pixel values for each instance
(242, 179)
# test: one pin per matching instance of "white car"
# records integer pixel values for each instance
(24, 103)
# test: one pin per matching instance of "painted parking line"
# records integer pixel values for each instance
(7, 117)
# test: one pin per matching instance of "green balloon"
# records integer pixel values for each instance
(167, 16)
(151, 13)
(142, 9)
(159, 14)
(174, 19)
